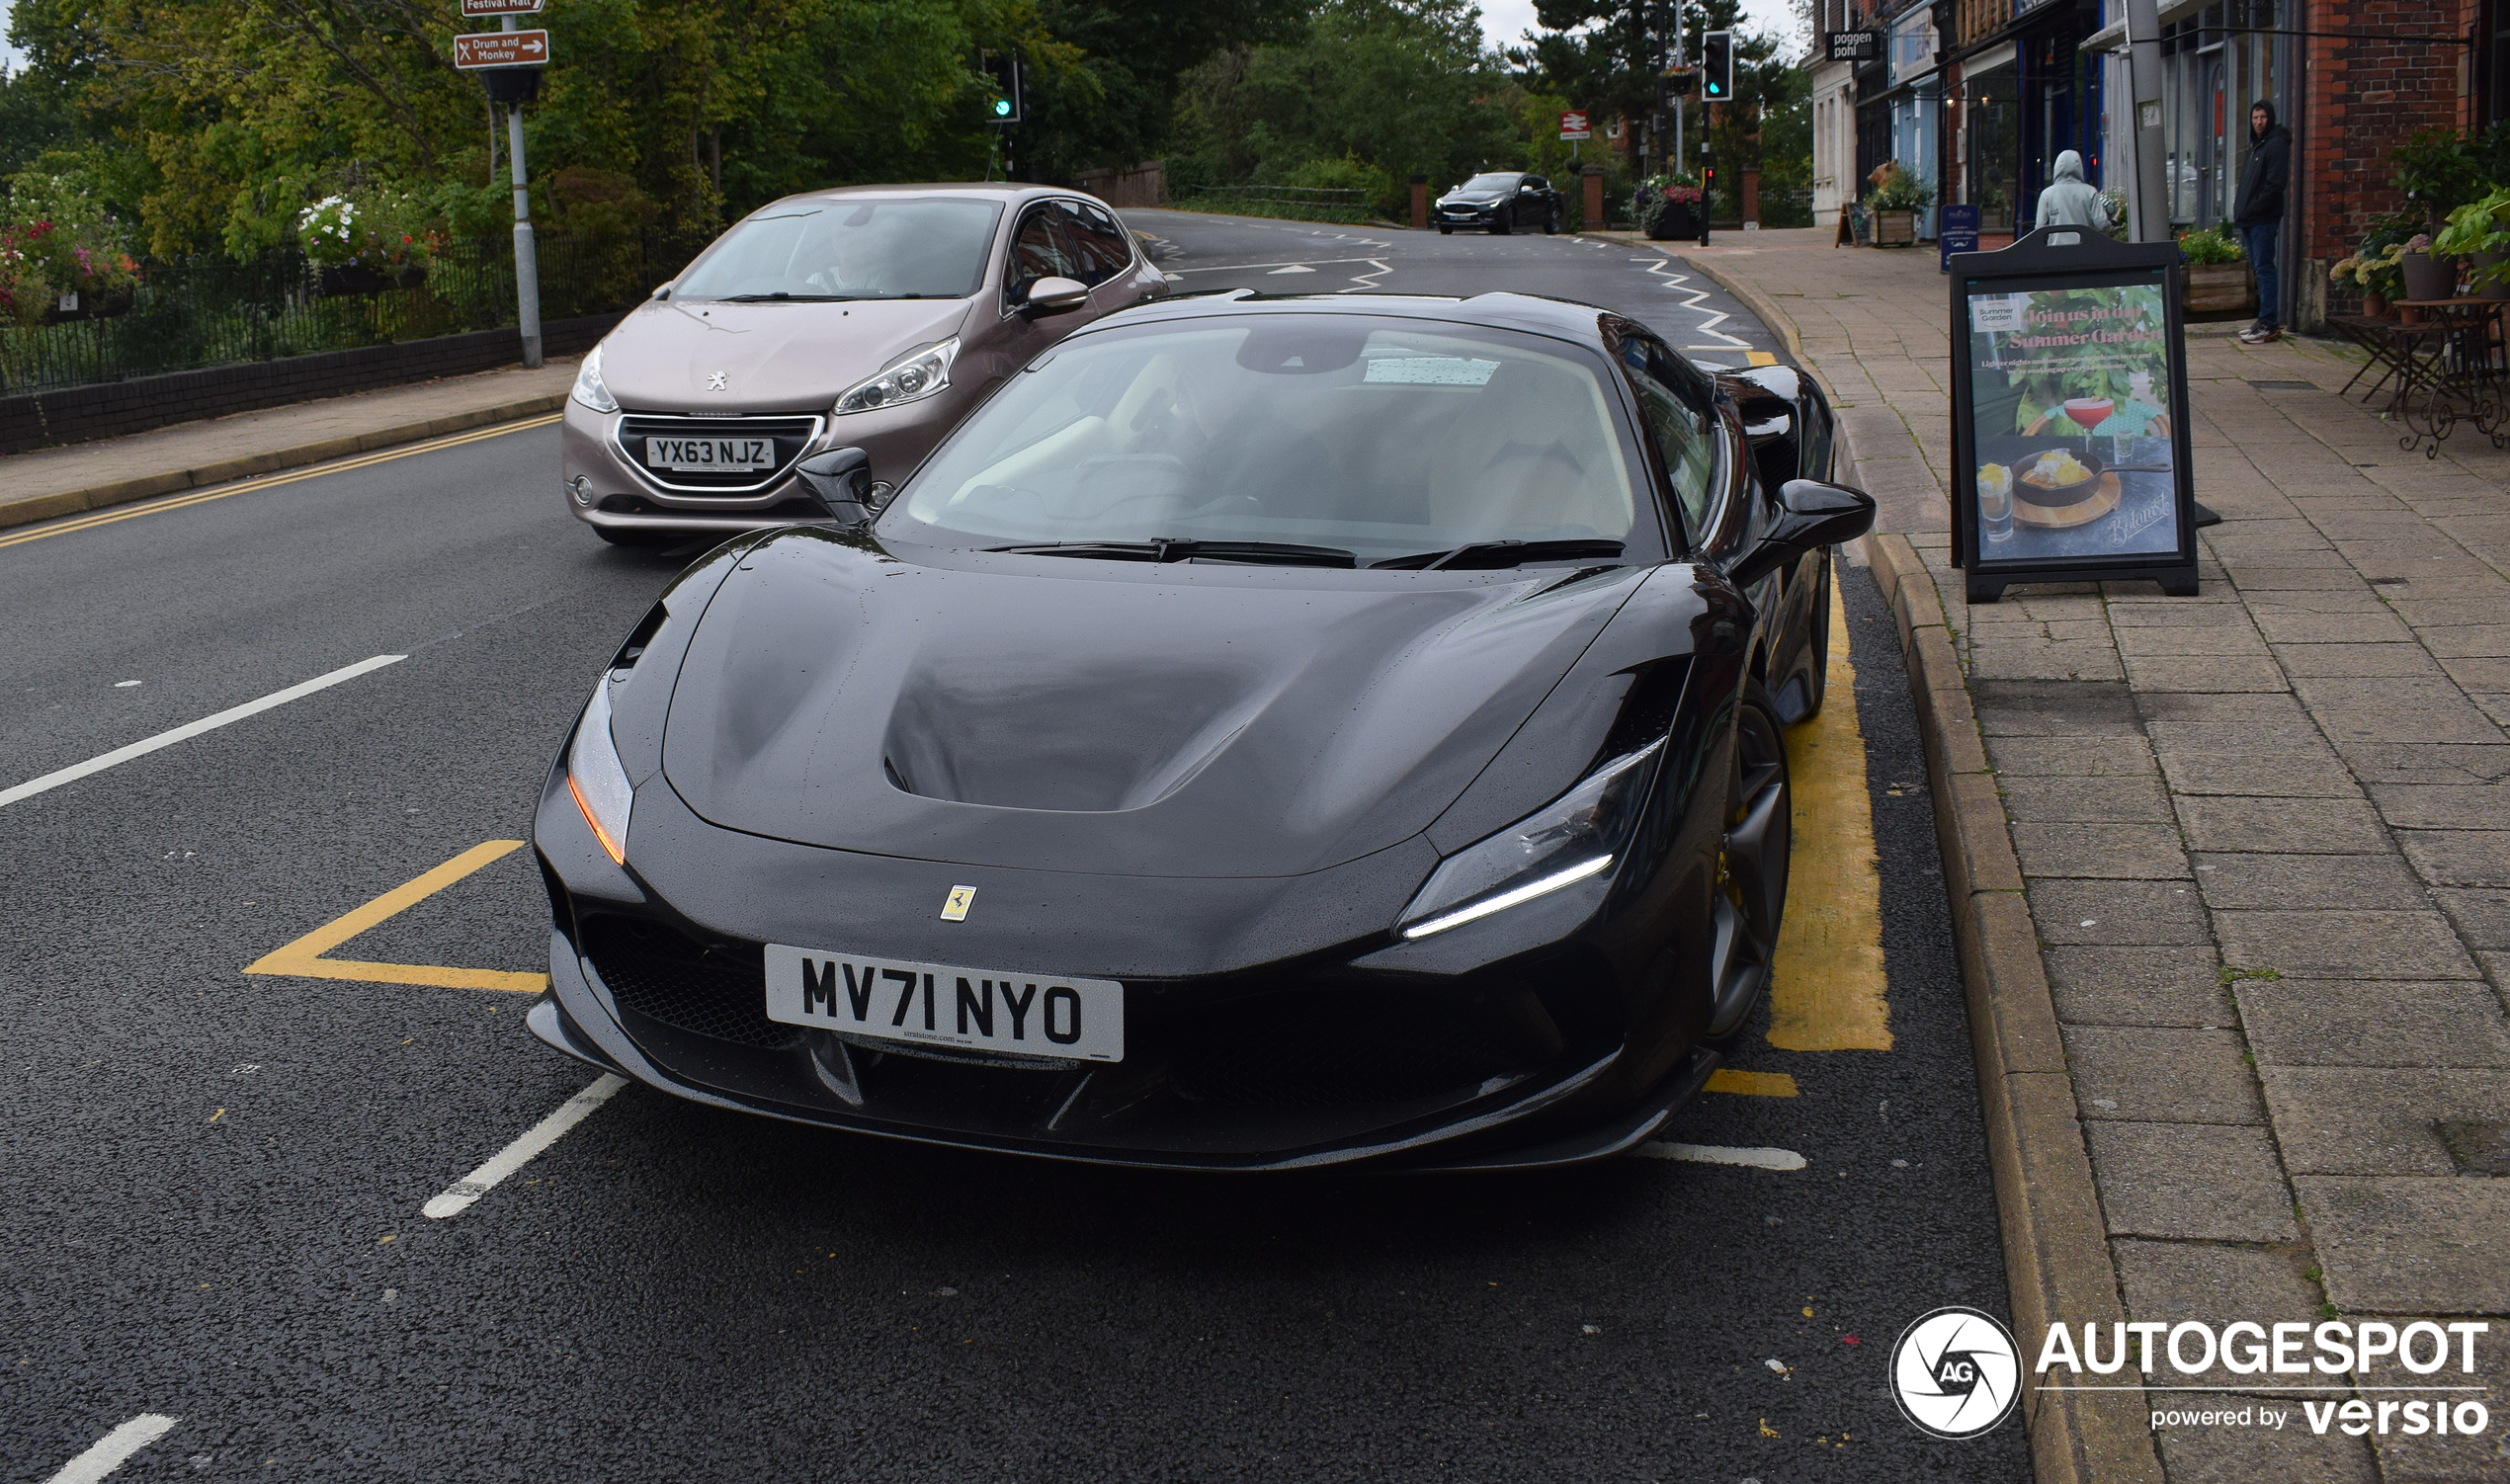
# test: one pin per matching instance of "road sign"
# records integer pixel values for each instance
(502, 49)
(501, 7)
(1573, 125)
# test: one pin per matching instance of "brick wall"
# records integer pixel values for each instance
(79, 413)
(2365, 97)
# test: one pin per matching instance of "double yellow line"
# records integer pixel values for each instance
(272, 481)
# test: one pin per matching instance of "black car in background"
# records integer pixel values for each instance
(1266, 734)
(1502, 201)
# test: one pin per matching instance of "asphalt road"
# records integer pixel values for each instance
(211, 1190)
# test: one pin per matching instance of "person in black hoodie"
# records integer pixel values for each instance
(2258, 213)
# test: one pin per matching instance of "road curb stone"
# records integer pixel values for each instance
(46, 507)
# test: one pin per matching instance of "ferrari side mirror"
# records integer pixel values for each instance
(1816, 515)
(1054, 297)
(840, 478)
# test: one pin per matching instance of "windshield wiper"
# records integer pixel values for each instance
(1486, 556)
(798, 299)
(1166, 549)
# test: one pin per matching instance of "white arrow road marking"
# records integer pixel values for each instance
(109, 1451)
(1307, 265)
(522, 1151)
(1717, 1154)
(1293, 268)
(1680, 283)
(120, 754)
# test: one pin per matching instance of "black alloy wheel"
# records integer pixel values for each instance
(1751, 868)
(1503, 219)
(1552, 222)
(1443, 230)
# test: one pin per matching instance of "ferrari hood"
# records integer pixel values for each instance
(1063, 715)
(787, 356)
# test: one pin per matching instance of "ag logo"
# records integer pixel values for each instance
(1955, 1372)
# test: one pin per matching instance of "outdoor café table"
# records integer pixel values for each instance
(2442, 369)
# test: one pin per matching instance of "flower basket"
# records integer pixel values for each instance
(92, 304)
(2211, 288)
(2429, 276)
(1678, 222)
(351, 279)
(1894, 228)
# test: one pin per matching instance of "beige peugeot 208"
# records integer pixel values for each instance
(870, 317)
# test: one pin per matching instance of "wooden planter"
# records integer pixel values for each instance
(1894, 228)
(355, 279)
(2211, 288)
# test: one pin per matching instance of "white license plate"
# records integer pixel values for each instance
(940, 1005)
(690, 455)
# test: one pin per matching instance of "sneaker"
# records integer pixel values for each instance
(2260, 335)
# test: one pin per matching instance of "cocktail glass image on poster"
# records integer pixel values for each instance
(2070, 399)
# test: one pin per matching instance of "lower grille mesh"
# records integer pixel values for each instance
(661, 974)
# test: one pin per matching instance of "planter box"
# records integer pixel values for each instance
(356, 278)
(1678, 222)
(2211, 288)
(1896, 228)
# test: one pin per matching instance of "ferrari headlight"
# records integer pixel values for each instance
(911, 380)
(593, 774)
(589, 389)
(1578, 835)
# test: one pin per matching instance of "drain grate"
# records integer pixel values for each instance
(2284, 385)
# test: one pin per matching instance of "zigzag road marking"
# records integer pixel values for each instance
(1680, 283)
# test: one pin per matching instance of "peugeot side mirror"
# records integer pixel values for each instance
(663, 291)
(1816, 515)
(841, 480)
(1054, 297)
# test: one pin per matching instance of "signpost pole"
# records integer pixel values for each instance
(526, 263)
(2150, 207)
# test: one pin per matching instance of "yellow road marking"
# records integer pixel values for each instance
(269, 481)
(1760, 358)
(1826, 990)
(1752, 1084)
(302, 959)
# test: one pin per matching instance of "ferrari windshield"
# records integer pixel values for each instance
(848, 249)
(1377, 436)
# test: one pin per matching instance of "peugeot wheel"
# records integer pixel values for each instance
(1751, 869)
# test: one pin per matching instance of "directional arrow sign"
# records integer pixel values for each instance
(501, 7)
(502, 49)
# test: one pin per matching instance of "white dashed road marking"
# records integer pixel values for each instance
(120, 754)
(1717, 1154)
(111, 1451)
(522, 1151)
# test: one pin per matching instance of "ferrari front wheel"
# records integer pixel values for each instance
(1751, 871)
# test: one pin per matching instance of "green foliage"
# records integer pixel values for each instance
(2480, 228)
(2439, 170)
(1390, 86)
(2211, 246)
(1899, 190)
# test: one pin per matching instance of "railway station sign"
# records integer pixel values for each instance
(2071, 458)
(470, 8)
(1573, 126)
(501, 48)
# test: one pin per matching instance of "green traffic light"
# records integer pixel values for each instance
(1002, 108)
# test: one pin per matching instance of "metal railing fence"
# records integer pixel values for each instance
(198, 312)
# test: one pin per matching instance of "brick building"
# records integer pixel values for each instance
(2011, 83)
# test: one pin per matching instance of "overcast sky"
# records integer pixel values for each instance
(1504, 21)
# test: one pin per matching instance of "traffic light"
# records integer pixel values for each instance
(1002, 70)
(1717, 66)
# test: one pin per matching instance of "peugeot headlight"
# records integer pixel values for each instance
(1578, 835)
(596, 778)
(589, 389)
(917, 376)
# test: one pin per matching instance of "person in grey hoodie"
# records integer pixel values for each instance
(2068, 200)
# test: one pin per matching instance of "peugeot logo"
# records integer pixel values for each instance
(718, 381)
(1957, 1373)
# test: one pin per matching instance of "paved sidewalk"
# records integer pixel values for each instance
(49, 483)
(2264, 836)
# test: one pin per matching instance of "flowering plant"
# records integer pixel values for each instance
(1657, 192)
(43, 262)
(379, 229)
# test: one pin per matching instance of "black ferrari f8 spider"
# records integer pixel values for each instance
(1269, 733)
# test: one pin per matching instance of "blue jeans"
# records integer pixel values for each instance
(2259, 239)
